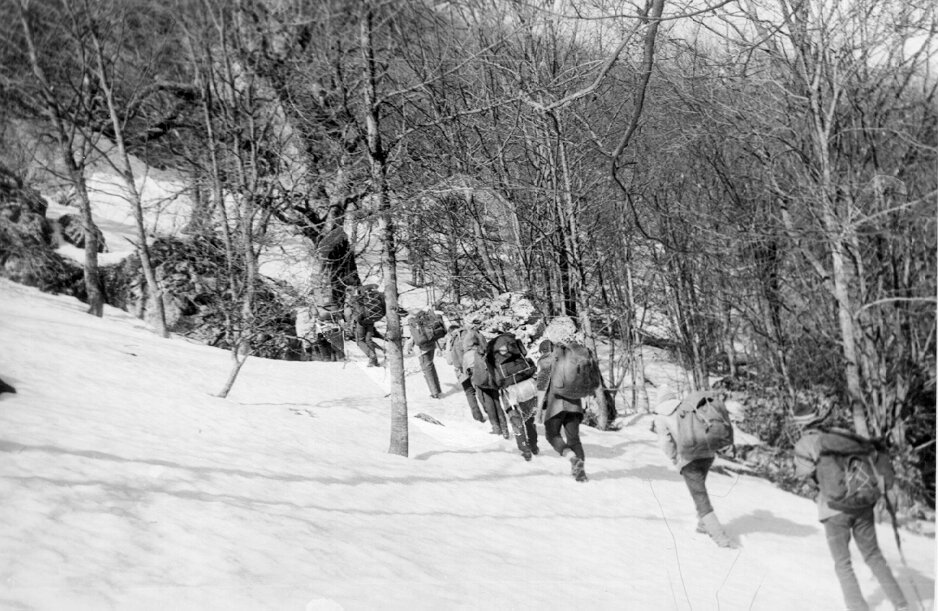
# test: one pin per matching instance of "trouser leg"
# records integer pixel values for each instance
(517, 426)
(429, 372)
(838, 528)
(366, 344)
(502, 416)
(552, 428)
(530, 431)
(491, 408)
(571, 428)
(695, 476)
(864, 532)
(470, 391)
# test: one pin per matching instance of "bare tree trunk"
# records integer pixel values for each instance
(639, 392)
(127, 175)
(65, 141)
(394, 346)
(238, 361)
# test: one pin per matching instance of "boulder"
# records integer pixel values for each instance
(27, 249)
(72, 231)
(197, 303)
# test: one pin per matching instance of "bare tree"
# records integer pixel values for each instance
(74, 150)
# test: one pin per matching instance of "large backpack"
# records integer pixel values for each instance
(851, 471)
(703, 425)
(426, 327)
(371, 306)
(575, 373)
(456, 351)
(483, 375)
(512, 367)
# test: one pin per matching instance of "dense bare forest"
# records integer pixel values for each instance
(759, 174)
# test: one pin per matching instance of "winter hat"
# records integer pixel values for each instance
(546, 347)
(805, 415)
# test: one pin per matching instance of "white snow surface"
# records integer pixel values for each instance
(126, 484)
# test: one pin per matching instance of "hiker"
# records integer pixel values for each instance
(426, 328)
(365, 309)
(513, 372)
(545, 360)
(693, 461)
(562, 404)
(453, 352)
(473, 346)
(812, 462)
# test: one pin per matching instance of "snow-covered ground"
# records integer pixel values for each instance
(126, 485)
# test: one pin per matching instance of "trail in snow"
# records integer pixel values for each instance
(127, 485)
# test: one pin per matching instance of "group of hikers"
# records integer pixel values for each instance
(511, 391)
(506, 388)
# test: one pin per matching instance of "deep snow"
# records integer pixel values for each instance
(127, 485)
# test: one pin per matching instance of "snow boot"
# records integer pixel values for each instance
(713, 528)
(577, 469)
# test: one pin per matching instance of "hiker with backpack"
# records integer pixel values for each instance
(569, 374)
(453, 352)
(426, 328)
(690, 431)
(851, 474)
(474, 364)
(513, 374)
(366, 307)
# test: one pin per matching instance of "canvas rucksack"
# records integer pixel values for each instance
(482, 374)
(371, 306)
(703, 425)
(426, 327)
(575, 373)
(851, 471)
(512, 367)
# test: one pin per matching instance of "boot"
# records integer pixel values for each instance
(515, 418)
(713, 528)
(577, 469)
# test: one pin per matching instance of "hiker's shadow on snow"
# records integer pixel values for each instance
(647, 472)
(619, 449)
(921, 584)
(764, 521)
(429, 455)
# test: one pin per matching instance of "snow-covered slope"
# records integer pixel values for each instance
(126, 485)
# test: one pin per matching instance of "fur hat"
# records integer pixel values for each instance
(805, 415)
(546, 347)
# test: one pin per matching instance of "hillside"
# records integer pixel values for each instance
(127, 485)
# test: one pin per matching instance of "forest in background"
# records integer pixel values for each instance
(761, 174)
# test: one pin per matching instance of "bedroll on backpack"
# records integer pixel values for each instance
(513, 366)
(851, 473)
(703, 425)
(575, 372)
(372, 306)
(426, 328)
